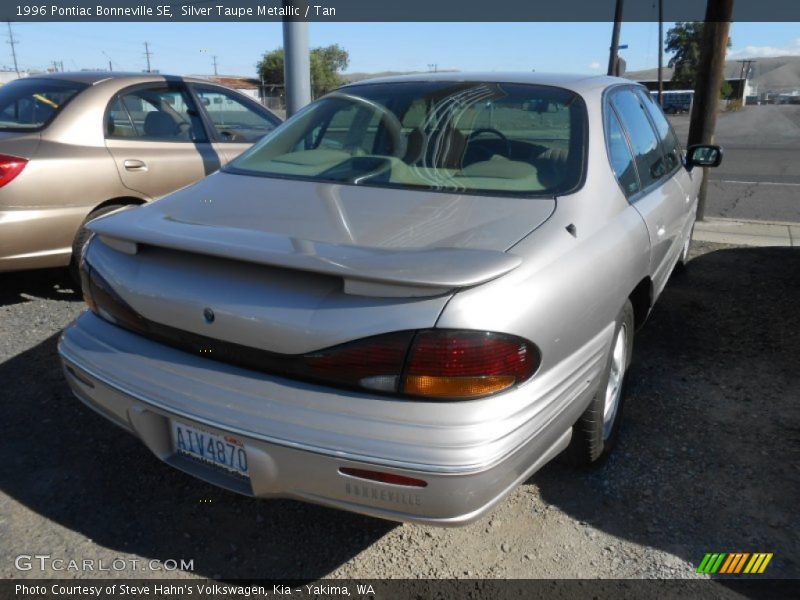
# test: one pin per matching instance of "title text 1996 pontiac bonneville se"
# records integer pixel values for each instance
(403, 301)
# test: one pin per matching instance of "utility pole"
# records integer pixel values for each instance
(612, 57)
(709, 79)
(746, 64)
(13, 43)
(661, 53)
(147, 55)
(215, 64)
(55, 67)
(296, 63)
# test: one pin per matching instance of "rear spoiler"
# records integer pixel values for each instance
(366, 271)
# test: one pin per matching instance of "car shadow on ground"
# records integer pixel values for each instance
(709, 456)
(22, 286)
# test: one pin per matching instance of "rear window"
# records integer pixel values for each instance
(30, 104)
(461, 137)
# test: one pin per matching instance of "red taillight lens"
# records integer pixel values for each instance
(444, 364)
(373, 363)
(467, 364)
(10, 167)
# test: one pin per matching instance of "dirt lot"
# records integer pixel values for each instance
(709, 460)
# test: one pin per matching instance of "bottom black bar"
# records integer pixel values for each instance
(399, 589)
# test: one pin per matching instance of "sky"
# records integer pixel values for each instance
(189, 48)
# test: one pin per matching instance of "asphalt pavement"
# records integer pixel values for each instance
(759, 178)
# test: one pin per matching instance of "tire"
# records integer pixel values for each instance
(683, 261)
(596, 432)
(82, 237)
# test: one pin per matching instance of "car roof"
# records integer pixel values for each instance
(94, 77)
(575, 82)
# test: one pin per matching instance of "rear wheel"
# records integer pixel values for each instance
(596, 432)
(82, 237)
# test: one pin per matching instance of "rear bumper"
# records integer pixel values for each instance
(298, 436)
(38, 237)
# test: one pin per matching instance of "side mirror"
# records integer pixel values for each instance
(703, 155)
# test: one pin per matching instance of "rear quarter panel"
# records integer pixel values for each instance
(569, 288)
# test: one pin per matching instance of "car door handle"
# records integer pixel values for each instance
(133, 164)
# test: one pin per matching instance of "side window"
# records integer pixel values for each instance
(620, 155)
(154, 113)
(234, 120)
(669, 141)
(647, 150)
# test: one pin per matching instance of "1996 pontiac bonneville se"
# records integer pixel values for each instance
(403, 301)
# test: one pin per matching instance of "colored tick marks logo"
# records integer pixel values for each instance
(734, 563)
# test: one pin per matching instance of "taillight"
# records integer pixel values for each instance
(374, 363)
(435, 363)
(467, 364)
(439, 364)
(10, 167)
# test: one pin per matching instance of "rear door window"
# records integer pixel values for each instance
(646, 147)
(30, 104)
(156, 113)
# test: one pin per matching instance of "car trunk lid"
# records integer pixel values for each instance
(293, 267)
(380, 241)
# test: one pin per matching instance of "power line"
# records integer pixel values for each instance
(147, 55)
(13, 43)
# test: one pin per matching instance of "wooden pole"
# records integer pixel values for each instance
(612, 55)
(709, 81)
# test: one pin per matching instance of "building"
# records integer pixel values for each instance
(740, 80)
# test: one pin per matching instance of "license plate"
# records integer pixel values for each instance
(223, 451)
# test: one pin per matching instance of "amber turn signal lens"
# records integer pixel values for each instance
(457, 387)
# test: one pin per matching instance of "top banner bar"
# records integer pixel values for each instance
(385, 11)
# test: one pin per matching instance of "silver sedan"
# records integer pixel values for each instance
(403, 301)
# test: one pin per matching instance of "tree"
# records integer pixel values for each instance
(684, 41)
(326, 64)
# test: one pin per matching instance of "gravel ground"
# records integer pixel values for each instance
(707, 461)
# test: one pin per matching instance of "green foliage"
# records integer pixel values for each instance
(685, 40)
(326, 64)
(726, 90)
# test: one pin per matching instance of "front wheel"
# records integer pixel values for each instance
(684, 258)
(596, 432)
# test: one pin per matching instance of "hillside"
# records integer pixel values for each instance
(775, 74)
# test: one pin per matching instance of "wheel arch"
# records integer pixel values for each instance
(642, 300)
(124, 200)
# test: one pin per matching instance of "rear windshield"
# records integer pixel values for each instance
(30, 104)
(463, 137)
